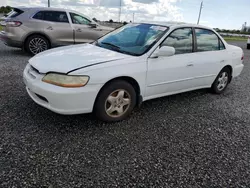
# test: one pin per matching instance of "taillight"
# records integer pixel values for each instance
(13, 24)
(242, 58)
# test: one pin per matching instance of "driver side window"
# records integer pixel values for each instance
(78, 19)
(181, 40)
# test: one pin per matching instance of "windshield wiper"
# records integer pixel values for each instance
(113, 45)
(118, 49)
(129, 53)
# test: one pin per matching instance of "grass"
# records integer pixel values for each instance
(1, 28)
(234, 38)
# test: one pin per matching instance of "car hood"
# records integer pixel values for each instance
(106, 28)
(67, 59)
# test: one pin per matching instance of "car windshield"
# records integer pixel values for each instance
(133, 39)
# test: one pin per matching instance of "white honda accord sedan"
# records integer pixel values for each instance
(132, 64)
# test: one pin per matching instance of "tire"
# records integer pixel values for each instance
(110, 102)
(248, 46)
(36, 44)
(222, 80)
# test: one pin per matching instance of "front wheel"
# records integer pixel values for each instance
(222, 81)
(115, 101)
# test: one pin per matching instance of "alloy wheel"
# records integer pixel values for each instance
(37, 45)
(117, 103)
(222, 81)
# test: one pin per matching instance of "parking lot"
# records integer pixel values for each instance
(195, 139)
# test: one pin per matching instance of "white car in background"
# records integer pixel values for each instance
(132, 64)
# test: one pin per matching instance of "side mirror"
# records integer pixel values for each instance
(93, 25)
(166, 51)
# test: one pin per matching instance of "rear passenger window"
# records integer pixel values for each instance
(207, 40)
(38, 16)
(55, 16)
(181, 40)
(52, 16)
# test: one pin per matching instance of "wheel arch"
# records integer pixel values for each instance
(131, 81)
(231, 71)
(37, 33)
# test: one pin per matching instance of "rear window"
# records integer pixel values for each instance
(52, 16)
(14, 13)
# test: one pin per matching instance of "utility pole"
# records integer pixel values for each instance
(200, 13)
(120, 11)
(48, 3)
(133, 17)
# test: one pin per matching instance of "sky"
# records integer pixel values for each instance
(223, 14)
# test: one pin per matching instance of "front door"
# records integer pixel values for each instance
(83, 31)
(168, 75)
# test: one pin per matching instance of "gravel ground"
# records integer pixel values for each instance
(194, 139)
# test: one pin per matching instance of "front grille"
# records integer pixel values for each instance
(33, 72)
(34, 69)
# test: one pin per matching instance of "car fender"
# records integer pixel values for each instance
(36, 33)
(135, 68)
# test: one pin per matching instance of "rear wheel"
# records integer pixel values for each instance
(248, 46)
(36, 44)
(115, 101)
(222, 81)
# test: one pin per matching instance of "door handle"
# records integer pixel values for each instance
(50, 28)
(79, 30)
(190, 65)
(96, 29)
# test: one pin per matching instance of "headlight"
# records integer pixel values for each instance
(65, 80)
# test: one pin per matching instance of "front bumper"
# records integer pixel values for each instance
(58, 99)
(9, 41)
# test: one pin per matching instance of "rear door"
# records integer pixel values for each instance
(211, 55)
(56, 26)
(83, 31)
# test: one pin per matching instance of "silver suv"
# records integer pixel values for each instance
(38, 29)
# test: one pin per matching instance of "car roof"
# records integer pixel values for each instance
(34, 9)
(175, 24)
(41, 8)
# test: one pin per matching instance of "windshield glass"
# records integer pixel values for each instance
(133, 39)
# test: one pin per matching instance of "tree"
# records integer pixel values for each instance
(2, 9)
(95, 19)
(125, 23)
(5, 10)
(111, 21)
